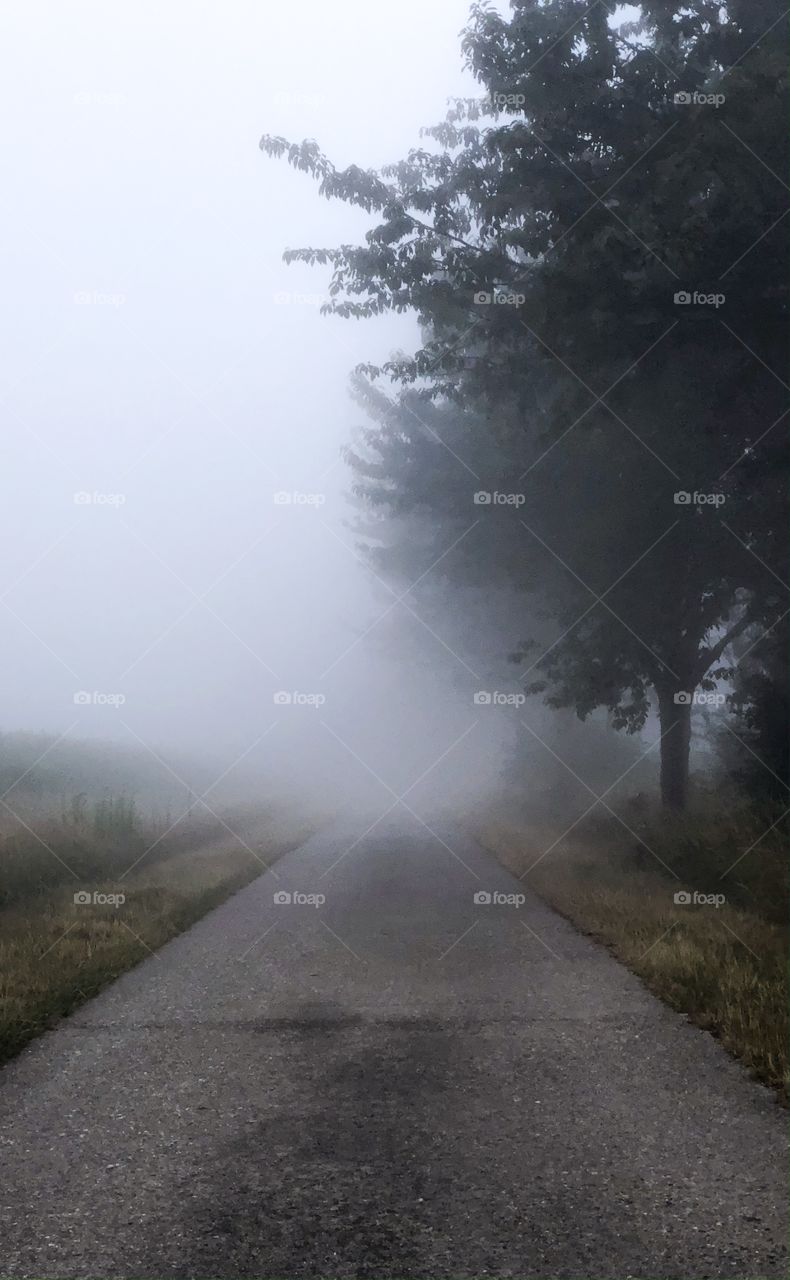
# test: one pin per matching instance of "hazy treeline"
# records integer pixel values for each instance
(594, 419)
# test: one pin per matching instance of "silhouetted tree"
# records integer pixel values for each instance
(591, 249)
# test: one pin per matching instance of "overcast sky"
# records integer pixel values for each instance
(161, 359)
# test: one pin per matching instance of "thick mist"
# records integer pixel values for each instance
(179, 547)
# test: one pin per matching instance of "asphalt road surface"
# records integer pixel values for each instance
(398, 1082)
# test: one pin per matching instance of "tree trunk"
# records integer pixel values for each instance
(675, 720)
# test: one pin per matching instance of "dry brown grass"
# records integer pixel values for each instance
(54, 953)
(726, 966)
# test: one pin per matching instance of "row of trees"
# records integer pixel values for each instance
(591, 248)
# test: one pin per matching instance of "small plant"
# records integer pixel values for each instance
(115, 816)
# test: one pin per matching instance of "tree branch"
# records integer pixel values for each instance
(707, 657)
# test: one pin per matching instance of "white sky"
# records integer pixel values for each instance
(132, 176)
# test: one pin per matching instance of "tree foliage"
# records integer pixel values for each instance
(549, 236)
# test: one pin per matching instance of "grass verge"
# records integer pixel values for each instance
(724, 966)
(56, 953)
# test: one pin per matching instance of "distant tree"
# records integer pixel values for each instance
(549, 242)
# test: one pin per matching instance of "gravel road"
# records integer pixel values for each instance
(398, 1082)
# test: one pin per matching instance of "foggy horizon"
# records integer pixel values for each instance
(171, 376)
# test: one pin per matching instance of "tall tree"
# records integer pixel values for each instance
(591, 250)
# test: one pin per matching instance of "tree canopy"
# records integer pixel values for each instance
(591, 248)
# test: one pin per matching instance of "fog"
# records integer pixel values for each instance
(167, 379)
(394, 764)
